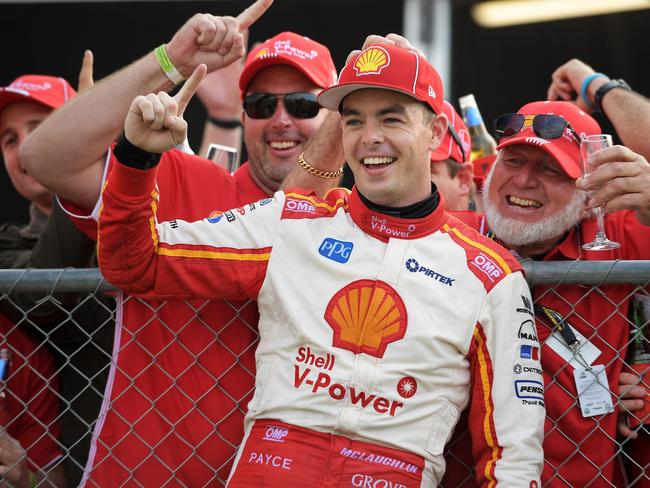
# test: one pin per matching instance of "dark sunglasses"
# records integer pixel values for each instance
(299, 105)
(454, 136)
(546, 126)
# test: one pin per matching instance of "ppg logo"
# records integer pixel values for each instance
(338, 251)
(275, 434)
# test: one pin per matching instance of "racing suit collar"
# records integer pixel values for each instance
(383, 226)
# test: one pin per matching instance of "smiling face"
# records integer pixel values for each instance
(274, 144)
(529, 199)
(387, 139)
(17, 121)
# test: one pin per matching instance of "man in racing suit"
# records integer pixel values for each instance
(365, 357)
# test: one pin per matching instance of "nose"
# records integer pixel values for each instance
(526, 176)
(281, 118)
(372, 135)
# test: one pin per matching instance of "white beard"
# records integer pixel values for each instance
(514, 232)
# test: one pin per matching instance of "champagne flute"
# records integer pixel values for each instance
(225, 156)
(588, 146)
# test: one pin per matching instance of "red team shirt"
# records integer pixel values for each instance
(183, 372)
(578, 451)
(30, 408)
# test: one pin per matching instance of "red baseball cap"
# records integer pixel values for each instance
(309, 57)
(449, 148)
(389, 68)
(565, 149)
(50, 91)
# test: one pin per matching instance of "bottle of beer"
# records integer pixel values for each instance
(640, 357)
(484, 147)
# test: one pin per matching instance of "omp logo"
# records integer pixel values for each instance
(527, 331)
(372, 61)
(366, 316)
(299, 206)
(536, 141)
(413, 266)
(275, 434)
(215, 217)
(529, 389)
(336, 250)
(488, 267)
(367, 481)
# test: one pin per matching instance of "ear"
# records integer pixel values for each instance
(243, 117)
(465, 178)
(438, 127)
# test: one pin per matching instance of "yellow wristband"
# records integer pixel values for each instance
(167, 66)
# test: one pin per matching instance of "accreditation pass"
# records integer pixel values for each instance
(593, 391)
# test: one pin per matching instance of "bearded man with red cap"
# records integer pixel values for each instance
(365, 360)
(536, 205)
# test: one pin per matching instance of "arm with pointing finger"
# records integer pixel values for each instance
(66, 153)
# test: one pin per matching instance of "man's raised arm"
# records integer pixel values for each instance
(67, 152)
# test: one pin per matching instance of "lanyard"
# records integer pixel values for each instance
(560, 325)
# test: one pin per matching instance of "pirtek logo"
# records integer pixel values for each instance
(413, 266)
(487, 266)
(299, 206)
(339, 392)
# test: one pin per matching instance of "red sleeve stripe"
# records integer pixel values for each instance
(489, 430)
(493, 254)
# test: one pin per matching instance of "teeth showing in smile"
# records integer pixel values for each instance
(377, 160)
(523, 202)
(283, 144)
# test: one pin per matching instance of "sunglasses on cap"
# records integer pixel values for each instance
(301, 105)
(454, 136)
(546, 126)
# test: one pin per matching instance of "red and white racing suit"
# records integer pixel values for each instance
(375, 332)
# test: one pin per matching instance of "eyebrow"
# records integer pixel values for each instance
(393, 109)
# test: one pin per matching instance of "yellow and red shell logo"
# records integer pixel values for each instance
(262, 52)
(372, 61)
(366, 316)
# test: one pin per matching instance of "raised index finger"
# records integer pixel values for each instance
(252, 13)
(189, 88)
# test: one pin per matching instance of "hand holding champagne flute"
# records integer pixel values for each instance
(589, 145)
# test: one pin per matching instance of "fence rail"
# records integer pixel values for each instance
(537, 273)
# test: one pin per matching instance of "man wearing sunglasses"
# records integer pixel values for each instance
(534, 208)
(183, 372)
(451, 169)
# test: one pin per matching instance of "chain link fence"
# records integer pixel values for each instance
(154, 394)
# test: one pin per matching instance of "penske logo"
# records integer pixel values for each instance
(366, 316)
(372, 61)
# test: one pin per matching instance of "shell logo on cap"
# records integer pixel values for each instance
(372, 61)
(262, 52)
(366, 316)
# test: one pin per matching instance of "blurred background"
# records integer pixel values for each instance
(479, 50)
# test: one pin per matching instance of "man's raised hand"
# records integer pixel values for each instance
(155, 122)
(211, 40)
